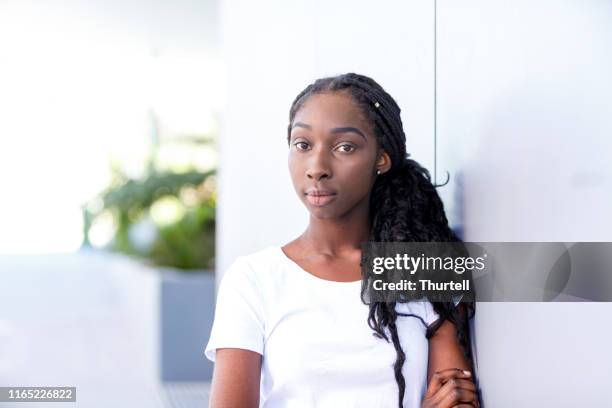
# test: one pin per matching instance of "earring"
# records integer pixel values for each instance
(378, 172)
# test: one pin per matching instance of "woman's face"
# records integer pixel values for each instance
(333, 155)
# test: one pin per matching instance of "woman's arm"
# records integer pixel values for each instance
(236, 379)
(445, 351)
(450, 381)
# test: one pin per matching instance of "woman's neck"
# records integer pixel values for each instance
(335, 236)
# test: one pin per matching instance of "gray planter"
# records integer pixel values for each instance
(187, 302)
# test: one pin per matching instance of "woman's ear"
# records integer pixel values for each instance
(383, 163)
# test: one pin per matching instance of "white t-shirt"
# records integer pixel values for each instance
(317, 347)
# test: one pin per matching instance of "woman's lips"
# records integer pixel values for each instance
(320, 200)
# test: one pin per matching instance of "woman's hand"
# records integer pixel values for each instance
(451, 388)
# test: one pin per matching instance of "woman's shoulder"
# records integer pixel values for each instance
(262, 259)
(258, 267)
(263, 255)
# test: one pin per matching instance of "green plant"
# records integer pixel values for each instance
(187, 241)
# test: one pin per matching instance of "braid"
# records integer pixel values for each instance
(401, 356)
(404, 207)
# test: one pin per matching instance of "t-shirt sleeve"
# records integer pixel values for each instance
(421, 308)
(238, 321)
(430, 314)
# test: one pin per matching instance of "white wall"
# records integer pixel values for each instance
(273, 49)
(523, 92)
(524, 113)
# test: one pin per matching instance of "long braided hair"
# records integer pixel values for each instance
(404, 207)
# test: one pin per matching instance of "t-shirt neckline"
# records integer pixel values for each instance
(309, 275)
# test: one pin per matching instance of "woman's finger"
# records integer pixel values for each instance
(465, 384)
(440, 377)
(451, 394)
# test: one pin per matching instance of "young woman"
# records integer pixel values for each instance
(291, 328)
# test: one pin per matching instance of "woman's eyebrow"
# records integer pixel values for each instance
(348, 129)
(302, 125)
(343, 129)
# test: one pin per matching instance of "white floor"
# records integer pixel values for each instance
(88, 320)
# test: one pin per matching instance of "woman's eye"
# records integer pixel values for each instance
(346, 148)
(301, 145)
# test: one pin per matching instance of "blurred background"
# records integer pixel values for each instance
(136, 139)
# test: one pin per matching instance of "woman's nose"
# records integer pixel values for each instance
(318, 167)
(317, 174)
